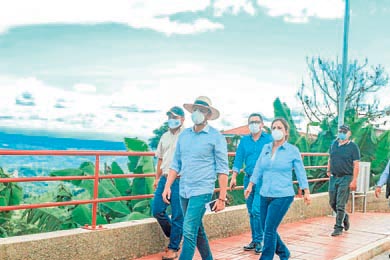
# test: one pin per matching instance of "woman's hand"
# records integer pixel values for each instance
(378, 191)
(248, 191)
(306, 197)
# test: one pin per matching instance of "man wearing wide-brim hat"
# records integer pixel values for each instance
(200, 156)
(343, 170)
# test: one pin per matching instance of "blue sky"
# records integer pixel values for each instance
(110, 69)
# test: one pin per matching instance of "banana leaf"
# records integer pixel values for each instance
(133, 216)
(122, 184)
(82, 214)
(139, 165)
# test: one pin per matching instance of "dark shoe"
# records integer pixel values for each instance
(250, 247)
(169, 255)
(258, 248)
(346, 222)
(337, 232)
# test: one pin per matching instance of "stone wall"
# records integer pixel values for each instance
(138, 238)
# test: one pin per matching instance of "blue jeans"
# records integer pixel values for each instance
(253, 206)
(172, 227)
(338, 197)
(273, 211)
(193, 230)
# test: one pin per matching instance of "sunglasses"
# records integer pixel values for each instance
(201, 109)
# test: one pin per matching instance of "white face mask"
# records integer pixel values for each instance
(174, 123)
(254, 128)
(277, 134)
(197, 117)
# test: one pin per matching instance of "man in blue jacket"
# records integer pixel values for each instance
(247, 153)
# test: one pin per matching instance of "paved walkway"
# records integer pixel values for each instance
(309, 239)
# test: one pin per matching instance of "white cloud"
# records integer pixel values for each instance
(58, 110)
(150, 14)
(85, 88)
(179, 68)
(233, 6)
(299, 11)
(157, 14)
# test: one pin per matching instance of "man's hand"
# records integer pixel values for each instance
(167, 195)
(353, 185)
(378, 191)
(219, 205)
(328, 173)
(155, 183)
(233, 182)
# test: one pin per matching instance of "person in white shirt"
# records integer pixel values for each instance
(171, 226)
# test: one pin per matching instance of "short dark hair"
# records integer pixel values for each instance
(255, 114)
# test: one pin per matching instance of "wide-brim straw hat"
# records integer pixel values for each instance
(203, 101)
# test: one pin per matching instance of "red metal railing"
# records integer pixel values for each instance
(96, 177)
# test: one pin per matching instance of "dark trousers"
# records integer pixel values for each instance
(338, 197)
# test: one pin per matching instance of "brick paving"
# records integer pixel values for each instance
(308, 239)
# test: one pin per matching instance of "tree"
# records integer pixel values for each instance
(153, 142)
(320, 98)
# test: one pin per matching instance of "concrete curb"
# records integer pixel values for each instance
(369, 251)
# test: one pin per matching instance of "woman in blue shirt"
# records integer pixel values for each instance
(273, 172)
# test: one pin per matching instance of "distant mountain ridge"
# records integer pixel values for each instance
(27, 142)
(29, 166)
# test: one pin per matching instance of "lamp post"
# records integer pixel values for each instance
(345, 64)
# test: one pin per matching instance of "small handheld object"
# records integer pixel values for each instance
(210, 205)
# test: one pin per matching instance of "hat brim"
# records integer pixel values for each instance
(344, 128)
(214, 112)
(172, 113)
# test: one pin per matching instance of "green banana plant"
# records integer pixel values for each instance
(11, 194)
(107, 189)
(139, 165)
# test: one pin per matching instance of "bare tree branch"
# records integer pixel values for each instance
(320, 98)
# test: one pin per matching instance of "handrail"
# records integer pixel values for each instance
(96, 177)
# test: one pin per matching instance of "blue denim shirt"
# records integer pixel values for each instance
(385, 174)
(276, 171)
(198, 158)
(248, 152)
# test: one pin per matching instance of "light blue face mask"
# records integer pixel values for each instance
(254, 128)
(197, 117)
(342, 136)
(174, 123)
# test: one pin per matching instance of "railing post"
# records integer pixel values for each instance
(95, 191)
(95, 196)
